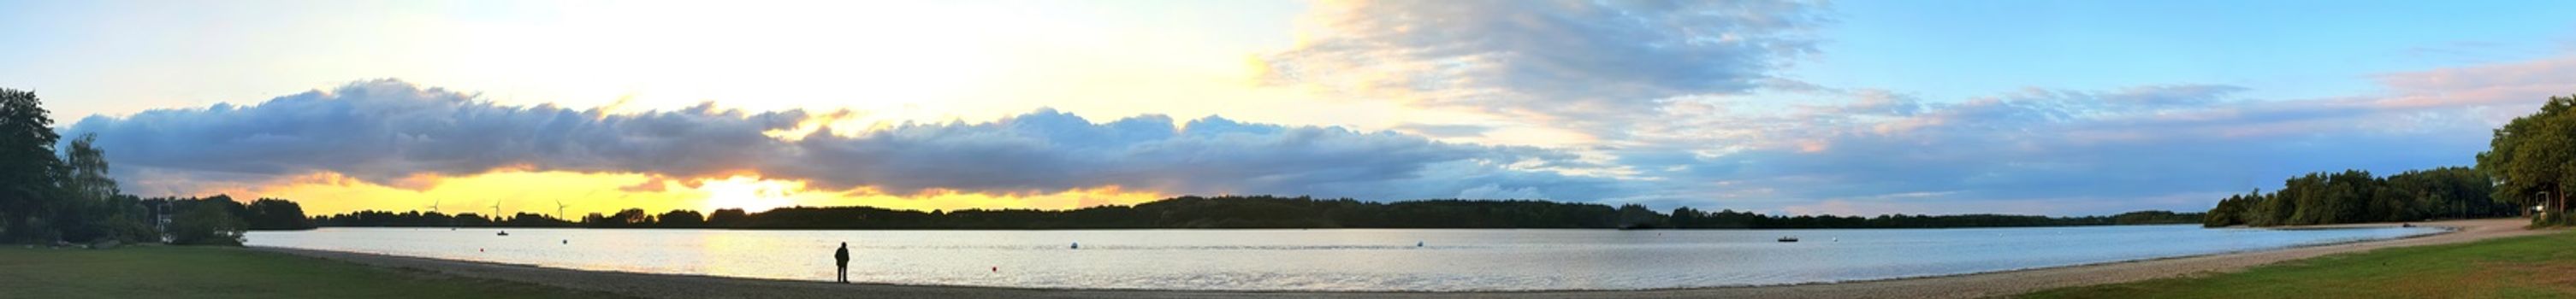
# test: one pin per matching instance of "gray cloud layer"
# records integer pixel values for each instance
(385, 131)
(1572, 61)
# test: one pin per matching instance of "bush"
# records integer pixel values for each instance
(207, 224)
(124, 228)
(119, 219)
(119, 228)
(2553, 219)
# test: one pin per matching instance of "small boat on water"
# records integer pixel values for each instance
(507, 233)
(1788, 239)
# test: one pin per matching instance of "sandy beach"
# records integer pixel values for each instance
(1957, 286)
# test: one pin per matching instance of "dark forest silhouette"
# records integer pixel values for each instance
(2354, 196)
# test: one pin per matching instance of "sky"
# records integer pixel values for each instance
(1785, 107)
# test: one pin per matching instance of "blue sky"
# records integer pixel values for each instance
(1860, 107)
(2286, 49)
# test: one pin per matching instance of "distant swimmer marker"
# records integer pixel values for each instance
(1077, 245)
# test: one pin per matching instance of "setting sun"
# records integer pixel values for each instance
(751, 194)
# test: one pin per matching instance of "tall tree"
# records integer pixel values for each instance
(27, 166)
(87, 165)
(89, 207)
(2530, 156)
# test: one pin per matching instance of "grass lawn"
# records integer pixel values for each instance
(218, 272)
(2542, 266)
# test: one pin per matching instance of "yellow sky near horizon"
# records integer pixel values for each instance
(517, 191)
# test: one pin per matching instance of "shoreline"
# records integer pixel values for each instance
(1965, 285)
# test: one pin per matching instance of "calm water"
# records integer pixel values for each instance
(1336, 259)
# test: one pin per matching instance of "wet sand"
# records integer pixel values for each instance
(1956, 286)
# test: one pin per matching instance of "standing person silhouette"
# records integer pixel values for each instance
(841, 259)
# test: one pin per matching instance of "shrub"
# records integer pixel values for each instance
(206, 224)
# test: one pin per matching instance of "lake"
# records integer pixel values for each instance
(1322, 259)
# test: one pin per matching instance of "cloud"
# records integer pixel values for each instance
(1570, 62)
(1050, 150)
(1444, 130)
(397, 134)
(384, 131)
(2065, 151)
(2518, 83)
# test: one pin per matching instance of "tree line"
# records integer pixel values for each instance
(2354, 196)
(2529, 164)
(1240, 212)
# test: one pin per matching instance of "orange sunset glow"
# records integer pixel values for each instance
(584, 193)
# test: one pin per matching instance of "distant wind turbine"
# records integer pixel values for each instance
(559, 207)
(496, 210)
(433, 209)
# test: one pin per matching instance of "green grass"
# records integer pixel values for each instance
(2542, 266)
(220, 272)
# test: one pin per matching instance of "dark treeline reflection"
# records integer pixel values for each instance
(1242, 212)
